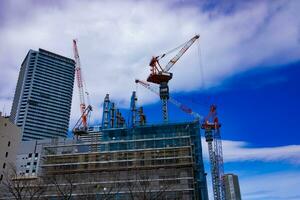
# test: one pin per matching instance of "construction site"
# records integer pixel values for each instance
(146, 162)
(132, 159)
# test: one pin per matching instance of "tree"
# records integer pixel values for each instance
(143, 186)
(20, 187)
(62, 185)
(106, 187)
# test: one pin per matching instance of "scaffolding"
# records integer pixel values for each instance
(156, 161)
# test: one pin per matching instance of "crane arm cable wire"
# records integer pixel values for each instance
(171, 51)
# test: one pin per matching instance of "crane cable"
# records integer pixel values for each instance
(203, 102)
(202, 75)
(89, 104)
(87, 98)
(201, 65)
(171, 51)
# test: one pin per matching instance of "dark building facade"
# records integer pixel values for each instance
(43, 96)
(232, 187)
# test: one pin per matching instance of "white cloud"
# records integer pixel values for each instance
(279, 185)
(259, 183)
(283, 185)
(117, 39)
(239, 151)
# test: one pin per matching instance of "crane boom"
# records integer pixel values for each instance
(80, 84)
(187, 45)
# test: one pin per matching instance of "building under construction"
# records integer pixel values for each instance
(162, 161)
(135, 160)
(132, 160)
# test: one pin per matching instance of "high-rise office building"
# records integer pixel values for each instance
(232, 187)
(43, 96)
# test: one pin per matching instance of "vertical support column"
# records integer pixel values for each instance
(164, 96)
(165, 110)
(118, 118)
(133, 109)
(105, 116)
(142, 117)
(213, 164)
(112, 115)
(219, 160)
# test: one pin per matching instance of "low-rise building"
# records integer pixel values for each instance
(28, 158)
(10, 137)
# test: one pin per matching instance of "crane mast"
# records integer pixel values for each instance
(83, 109)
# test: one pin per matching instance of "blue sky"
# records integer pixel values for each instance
(247, 62)
(263, 102)
(257, 103)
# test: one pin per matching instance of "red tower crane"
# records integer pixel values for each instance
(211, 128)
(162, 76)
(81, 125)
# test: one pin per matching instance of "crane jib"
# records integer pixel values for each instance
(186, 46)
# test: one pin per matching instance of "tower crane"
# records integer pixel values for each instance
(211, 127)
(162, 76)
(81, 126)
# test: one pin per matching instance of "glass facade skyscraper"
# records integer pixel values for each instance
(232, 187)
(43, 96)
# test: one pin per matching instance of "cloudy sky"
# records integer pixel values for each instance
(246, 61)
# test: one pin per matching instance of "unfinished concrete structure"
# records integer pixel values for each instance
(161, 161)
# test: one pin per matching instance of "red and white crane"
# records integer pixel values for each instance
(210, 123)
(82, 125)
(211, 128)
(162, 76)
